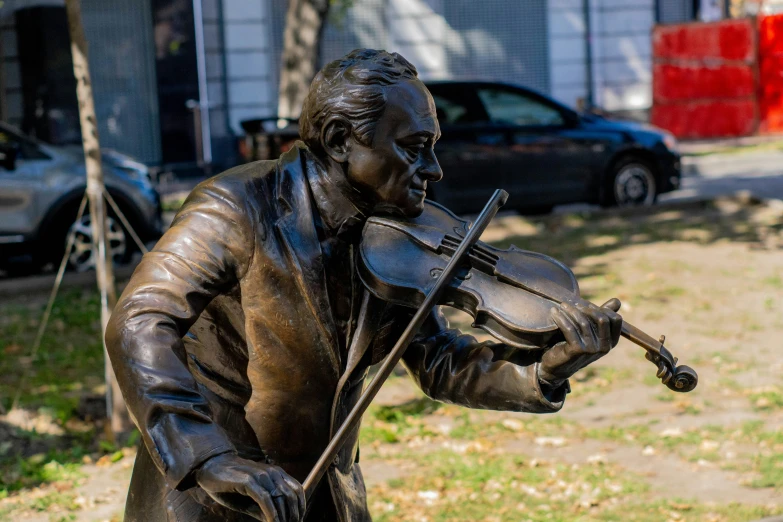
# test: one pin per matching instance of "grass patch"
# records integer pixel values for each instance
(56, 389)
(473, 486)
(597, 378)
(55, 465)
(769, 467)
(69, 361)
(774, 281)
(448, 486)
(172, 204)
(766, 399)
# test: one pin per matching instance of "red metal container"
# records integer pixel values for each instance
(704, 79)
(770, 77)
(719, 79)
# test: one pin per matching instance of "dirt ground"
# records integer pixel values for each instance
(707, 275)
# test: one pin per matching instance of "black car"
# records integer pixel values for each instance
(543, 153)
(496, 135)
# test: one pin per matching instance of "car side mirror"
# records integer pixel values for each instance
(571, 119)
(8, 153)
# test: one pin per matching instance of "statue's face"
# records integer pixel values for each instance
(393, 172)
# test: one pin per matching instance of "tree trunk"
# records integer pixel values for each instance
(304, 24)
(120, 423)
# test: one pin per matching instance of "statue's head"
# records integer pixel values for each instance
(370, 115)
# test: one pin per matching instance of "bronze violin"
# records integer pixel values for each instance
(509, 293)
(437, 259)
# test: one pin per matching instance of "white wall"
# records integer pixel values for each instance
(622, 53)
(568, 72)
(419, 32)
(248, 66)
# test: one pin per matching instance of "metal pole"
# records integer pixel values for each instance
(355, 416)
(590, 98)
(201, 66)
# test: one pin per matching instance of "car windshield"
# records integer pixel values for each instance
(511, 107)
(7, 130)
(29, 148)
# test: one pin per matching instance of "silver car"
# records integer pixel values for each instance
(41, 187)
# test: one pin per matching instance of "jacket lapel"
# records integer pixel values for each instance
(370, 315)
(300, 241)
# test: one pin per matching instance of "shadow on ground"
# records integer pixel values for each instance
(574, 237)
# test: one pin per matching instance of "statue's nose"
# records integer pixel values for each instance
(432, 170)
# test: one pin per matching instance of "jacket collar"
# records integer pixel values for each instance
(300, 242)
(335, 200)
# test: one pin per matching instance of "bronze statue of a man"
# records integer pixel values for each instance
(231, 338)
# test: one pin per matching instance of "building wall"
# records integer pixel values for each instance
(622, 53)
(419, 32)
(538, 43)
(567, 51)
(675, 11)
(499, 40)
(241, 82)
(11, 104)
(121, 55)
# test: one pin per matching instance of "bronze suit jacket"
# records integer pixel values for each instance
(224, 341)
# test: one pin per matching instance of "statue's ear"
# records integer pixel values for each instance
(335, 138)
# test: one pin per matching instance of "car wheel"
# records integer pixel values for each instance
(632, 184)
(81, 257)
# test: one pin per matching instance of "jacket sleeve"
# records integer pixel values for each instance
(453, 367)
(206, 251)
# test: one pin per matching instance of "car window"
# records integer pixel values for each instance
(514, 108)
(457, 106)
(27, 149)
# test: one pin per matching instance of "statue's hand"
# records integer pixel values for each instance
(589, 331)
(263, 491)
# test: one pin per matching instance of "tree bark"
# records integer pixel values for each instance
(304, 24)
(120, 422)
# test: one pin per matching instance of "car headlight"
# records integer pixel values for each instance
(670, 141)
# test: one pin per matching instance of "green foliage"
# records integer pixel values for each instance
(17, 473)
(338, 11)
(400, 414)
(69, 360)
(450, 486)
(767, 399)
(770, 470)
(473, 486)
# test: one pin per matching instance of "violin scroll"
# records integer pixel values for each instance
(677, 378)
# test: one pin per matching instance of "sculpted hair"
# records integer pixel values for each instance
(353, 87)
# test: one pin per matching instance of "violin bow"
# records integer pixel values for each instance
(353, 419)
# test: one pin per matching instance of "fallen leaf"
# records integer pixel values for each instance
(12, 349)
